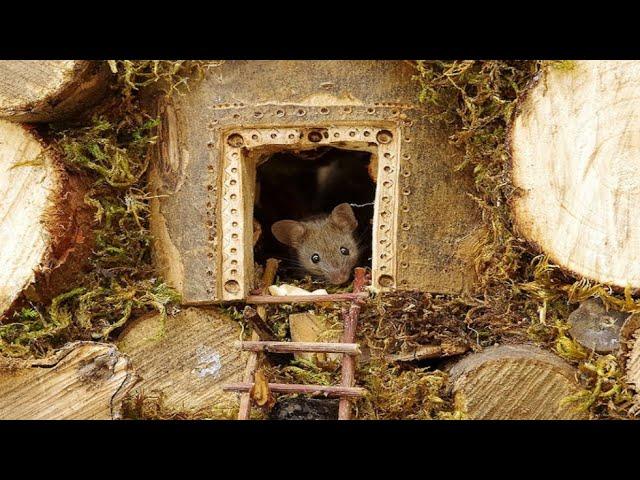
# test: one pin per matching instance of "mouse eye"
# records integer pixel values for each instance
(315, 258)
(344, 250)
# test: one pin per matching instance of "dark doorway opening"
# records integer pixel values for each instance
(297, 185)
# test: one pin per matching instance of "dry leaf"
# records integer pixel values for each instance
(260, 393)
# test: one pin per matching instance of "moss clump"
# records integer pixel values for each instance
(565, 65)
(153, 407)
(404, 394)
(304, 372)
(117, 153)
(171, 75)
(402, 322)
(605, 393)
(476, 99)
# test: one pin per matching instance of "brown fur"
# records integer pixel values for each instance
(324, 236)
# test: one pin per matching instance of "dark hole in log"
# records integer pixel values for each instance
(297, 185)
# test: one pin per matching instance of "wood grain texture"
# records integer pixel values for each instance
(307, 327)
(26, 198)
(514, 382)
(269, 99)
(575, 144)
(189, 360)
(81, 381)
(44, 222)
(47, 90)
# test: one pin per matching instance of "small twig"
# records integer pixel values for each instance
(330, 391)
(334, 297)
(285, 347)
(350, 325)
(245, 399)
(257, 321)
(261, 327)
(269, 274)
(268, 277)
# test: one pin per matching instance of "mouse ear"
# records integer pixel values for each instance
(288, 232)
(342, 216)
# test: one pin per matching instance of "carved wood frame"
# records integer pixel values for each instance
(240, 149)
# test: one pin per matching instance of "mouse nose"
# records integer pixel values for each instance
(338, 278)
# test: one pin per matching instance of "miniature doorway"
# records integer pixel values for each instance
(243, 150)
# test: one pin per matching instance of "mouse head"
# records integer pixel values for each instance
(326, 247)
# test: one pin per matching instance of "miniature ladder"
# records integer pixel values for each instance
(345, 391)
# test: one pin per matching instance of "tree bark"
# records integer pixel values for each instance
(575, 147)
(514, 382)
(44, 222)
(49, 90)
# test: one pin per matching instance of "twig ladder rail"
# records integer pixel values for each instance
(346, 390)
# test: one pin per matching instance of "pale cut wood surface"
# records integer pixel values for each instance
(307, 327)
(190, 361)
(25, 82)
(81, 381)
(514, 382)
(47, 90)
(27, 193)
(576, 156)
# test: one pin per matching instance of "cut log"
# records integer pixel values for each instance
(595, 328)
(44, 222)
(81, 381)
(307, 327)
(575, 147)
(48, 90)
(514, 382)
(188, 359)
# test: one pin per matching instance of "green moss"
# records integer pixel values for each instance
(118, 155)
(523, 294)
(112, 149)
(605, 391)
(173, 76)
(395, 393)
(142, 406)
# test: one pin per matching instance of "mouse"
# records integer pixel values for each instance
(323, 245)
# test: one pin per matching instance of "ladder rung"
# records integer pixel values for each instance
(335, 297)
(284, 347)
(329, 391)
